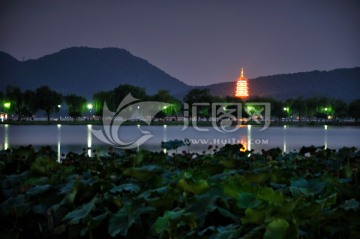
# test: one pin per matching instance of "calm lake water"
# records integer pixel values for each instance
(66, 138)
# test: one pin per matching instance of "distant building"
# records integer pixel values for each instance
(242, 88)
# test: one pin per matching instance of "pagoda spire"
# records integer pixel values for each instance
(241, 86)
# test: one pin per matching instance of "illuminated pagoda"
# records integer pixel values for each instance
(242, 88)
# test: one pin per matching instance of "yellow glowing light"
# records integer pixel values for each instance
(244, 144)
(7, 105)
(242, 88)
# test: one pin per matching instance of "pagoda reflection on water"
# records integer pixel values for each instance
(242, 88)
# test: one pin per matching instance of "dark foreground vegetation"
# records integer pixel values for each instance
(223, 193)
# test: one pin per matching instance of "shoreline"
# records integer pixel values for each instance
(174, 123)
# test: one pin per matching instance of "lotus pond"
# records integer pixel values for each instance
(222, 193)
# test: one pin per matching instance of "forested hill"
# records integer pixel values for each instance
(84, 71)
(340, 84)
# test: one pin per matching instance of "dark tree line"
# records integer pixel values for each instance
(114, 97)
(25, 104)
(296, 109)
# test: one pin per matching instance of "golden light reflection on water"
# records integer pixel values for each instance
(245, 140)
(242, 126)
(244, 144)
(89, 139)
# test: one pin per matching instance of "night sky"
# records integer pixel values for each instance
(199, 42)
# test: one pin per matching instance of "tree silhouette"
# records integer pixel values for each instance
(99, 99)
(354, 109)
(164, 96)
(340, 108)
(76, 105)
(47, 100)
(299, 107)
(200, 96)
(15, 97)
(30, 106)
(277, 109)
(120, 92)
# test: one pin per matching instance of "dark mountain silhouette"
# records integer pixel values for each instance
(339, 84)
(84, 71)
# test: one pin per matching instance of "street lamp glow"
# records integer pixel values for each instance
(250, 108)
(89, 106)
(326, 108)
(59, 106)
(7, 105)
